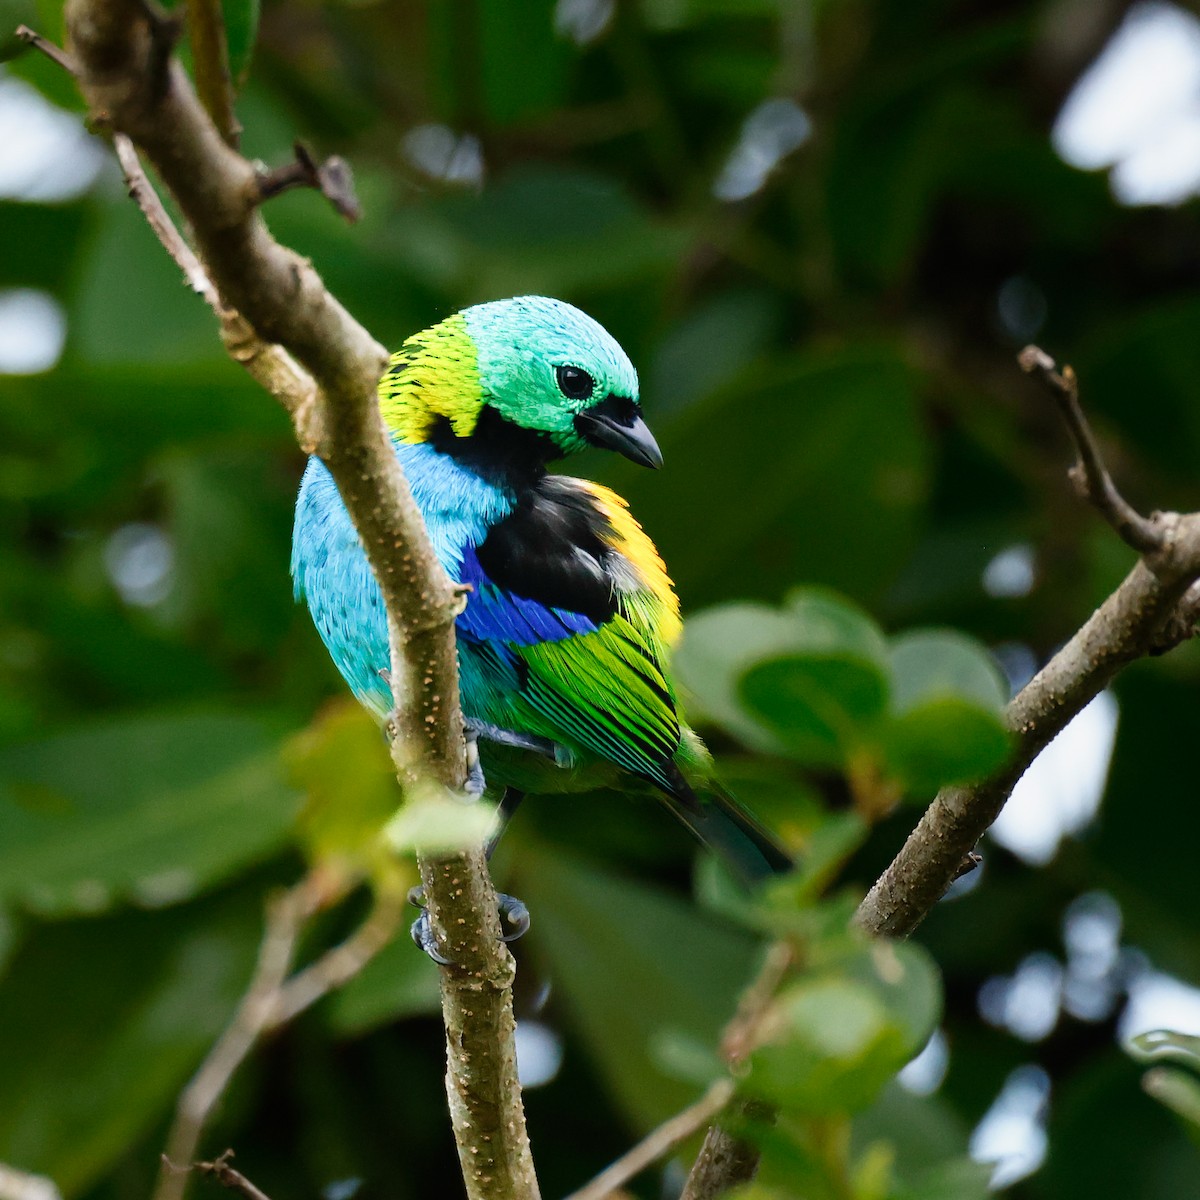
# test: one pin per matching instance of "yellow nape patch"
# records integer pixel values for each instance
(434, 374)
(632, 542)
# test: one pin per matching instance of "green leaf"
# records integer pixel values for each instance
(836, 1049)
(632, 966)
(843, 1033)
(718, 646)
(824, 697)
(820, 707)
(932, 663)
(152, 809)
(958, 1179)
(433, 820)
(341, 763)
(948, 701)
(241, 29)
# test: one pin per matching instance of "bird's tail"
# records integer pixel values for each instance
(719, 822)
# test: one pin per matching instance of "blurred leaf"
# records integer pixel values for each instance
(717, 646)
(241, 29)
(958, 1179)
(342, 764)
(104, 1021)
(434, 820)
(841, 1035)
(632, 966)
(823, 697)
(948, 699)
(399, 982)
(930, 664)
(1180, 1092)
(152, 809)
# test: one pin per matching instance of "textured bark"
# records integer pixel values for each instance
(292, 328)
(1127, 626)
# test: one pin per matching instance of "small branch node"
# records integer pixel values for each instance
(1089, 476)
(971, 861)
(227, 1176)
(332, 178)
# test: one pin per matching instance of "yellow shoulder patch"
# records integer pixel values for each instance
(631, 541)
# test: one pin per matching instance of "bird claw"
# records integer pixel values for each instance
(514, 914)
(514, 922)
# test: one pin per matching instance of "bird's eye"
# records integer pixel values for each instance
(575, 383)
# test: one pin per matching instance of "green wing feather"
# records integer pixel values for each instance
(607, 692)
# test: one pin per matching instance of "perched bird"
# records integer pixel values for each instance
(563, 641)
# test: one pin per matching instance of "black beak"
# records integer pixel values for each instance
(614, 424)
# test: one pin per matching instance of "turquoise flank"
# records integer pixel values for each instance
(333, 576)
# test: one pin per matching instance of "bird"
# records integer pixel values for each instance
(569, 617)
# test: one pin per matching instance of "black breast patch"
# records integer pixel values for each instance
(550, 549)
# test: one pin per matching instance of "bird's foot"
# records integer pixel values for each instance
(509, 737)
(514, 921)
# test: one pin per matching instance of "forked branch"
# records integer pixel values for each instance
(1155, 607)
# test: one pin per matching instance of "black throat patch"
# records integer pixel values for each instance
(497, 450)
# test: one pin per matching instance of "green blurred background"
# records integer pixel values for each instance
(821, 230)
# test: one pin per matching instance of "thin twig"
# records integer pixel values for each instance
(268, 364)
(142, 192)
(228, 1177)
(337, 966)
(55, 53)
(725, 1159)
(332, 178)
(286, 916)
(1089, 474)
(659, 1143)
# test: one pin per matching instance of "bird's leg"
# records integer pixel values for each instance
(509, 737)
(476, 784)
(514, 916)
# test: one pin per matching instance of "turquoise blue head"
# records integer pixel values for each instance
(532, 369)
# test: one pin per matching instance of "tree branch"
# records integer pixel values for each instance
(1153, 608)
(1089, 475)
(132, 84)
(1156, 607)
(659, 1143)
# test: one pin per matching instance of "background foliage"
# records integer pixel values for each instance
(821, 231)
